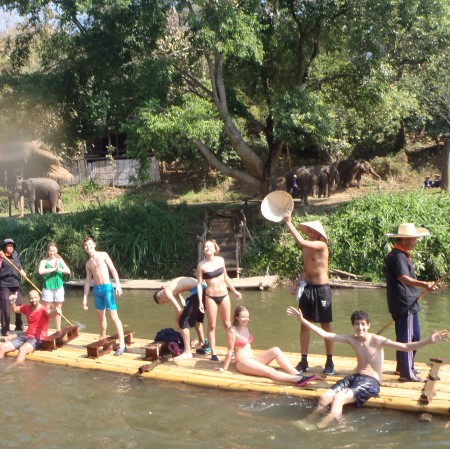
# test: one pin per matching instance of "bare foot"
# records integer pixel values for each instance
(184, 356)
(305, 424)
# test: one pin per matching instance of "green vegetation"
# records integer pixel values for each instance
(228, 85)
(357, 236)
(145, 239)
(149, 238)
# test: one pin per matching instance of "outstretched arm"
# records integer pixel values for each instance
(297, 314)
(435, 337)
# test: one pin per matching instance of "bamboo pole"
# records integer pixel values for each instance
(32, 284)
(441, 279)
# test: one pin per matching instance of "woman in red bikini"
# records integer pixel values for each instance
(239, 342)
(212, 271)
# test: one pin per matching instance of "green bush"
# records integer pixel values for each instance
(150, 241)
(357, 237)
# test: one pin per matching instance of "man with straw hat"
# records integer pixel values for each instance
(403, 289)
(315, 301)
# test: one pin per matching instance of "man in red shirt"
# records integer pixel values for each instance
(37, 317)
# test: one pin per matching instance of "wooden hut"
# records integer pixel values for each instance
(30, 160)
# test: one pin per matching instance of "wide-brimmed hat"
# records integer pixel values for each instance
(6, 241)
(316, 225)
(275, 205)
(406, 230)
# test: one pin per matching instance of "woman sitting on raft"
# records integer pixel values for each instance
(239, 342)
(212, 271)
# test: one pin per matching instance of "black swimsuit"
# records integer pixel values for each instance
(214, 274)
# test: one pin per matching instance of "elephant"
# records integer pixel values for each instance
(307, 178)
(351, 170)
(328, 180)
(36, 189)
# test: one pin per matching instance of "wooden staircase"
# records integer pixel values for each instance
(229, 230)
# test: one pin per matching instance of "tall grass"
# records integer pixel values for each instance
(149, 240)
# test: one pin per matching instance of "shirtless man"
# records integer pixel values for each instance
(315, 300)
(98, 268)
(187, 312)
(365, 382)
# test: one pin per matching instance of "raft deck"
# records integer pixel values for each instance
(201, 371)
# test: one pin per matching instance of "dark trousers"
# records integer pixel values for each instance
(407, 329)
(5, 308)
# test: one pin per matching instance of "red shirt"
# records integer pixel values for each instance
(37, 321)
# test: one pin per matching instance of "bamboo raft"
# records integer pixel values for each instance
(433, 397)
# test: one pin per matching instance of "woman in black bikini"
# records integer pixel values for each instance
(239, 342)
(212, 271)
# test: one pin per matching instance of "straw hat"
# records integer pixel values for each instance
(316, 225)
(406, 230)
(275, 205)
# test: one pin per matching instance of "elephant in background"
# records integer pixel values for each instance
(304, 182)
(351, 170)
(328, 180)
(35, 189)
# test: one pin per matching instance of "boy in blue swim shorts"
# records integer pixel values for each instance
(98, 268)
(364, 384)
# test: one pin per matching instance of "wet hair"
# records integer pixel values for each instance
(86, 239)
(216, 246)
(156, 295)
(237, 312)
(360, 315)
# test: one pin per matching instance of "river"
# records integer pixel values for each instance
(46, 406)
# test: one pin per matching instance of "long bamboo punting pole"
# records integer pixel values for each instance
(32, 284)
(441, 279)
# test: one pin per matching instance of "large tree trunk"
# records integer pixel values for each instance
(250, 159)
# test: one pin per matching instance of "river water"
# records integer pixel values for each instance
(46, 406)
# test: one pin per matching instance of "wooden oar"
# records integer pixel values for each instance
(441, 279)
(33, 285)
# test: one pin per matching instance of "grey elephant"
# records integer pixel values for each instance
(351, 170)
(305, 176)
(328, 180)
(35, 189)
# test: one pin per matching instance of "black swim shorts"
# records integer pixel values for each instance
(191, 313)
(315, 303)
(363, 386)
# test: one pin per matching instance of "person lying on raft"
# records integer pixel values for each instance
(365, 382)
(239, 342)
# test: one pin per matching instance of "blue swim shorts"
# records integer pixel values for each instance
(104, 297)
(21, 339)
(363, 386)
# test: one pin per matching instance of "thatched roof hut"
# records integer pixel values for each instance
(30, 160)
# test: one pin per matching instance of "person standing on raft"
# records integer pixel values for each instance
(187, 312)
(98, 268)
(52, 268)
(315, 300)
(403, 290)
(212, 271)
(10, 285)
